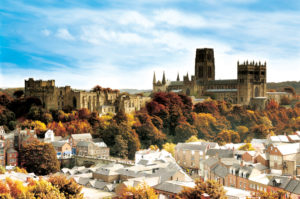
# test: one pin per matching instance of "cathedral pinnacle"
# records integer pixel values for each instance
(154, 78)
(164, 79)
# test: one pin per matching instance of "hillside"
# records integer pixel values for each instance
(278, 86)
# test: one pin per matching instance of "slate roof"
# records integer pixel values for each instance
(58, 143)
(82, 136)
(220, 170)
(221, 153)
(197, 146)
(173, 186)
(210, 161)
(281, 181)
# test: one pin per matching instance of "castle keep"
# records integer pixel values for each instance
(249, 87)
(103, 101)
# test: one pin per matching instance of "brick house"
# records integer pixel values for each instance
(284, 157)
(63, 149)
(2, 153)
(219, 173)
(262, 159)
(12, 157)
(249, 156)
(75, 138)
(188, 155)
(88, 148)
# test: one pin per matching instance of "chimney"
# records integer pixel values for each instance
(242, 163)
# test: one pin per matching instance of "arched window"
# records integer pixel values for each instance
(74, 102)
(188, 92)
(256, 92)
(209, 72)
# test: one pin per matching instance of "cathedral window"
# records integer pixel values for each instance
(209, 72)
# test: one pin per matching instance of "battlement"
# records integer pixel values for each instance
(251, 64)
(39, 83)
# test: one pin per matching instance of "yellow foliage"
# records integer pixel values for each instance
(247, 147)
(153, 147)
(203, 119)
(170, 147)
(250, 111)
(141, 191)
(194, 139)
(20, 170)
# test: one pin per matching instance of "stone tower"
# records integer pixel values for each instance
(205, 64)
(251, 81)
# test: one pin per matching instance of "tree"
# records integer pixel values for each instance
(66, 186)
(228, 136)
(272, 105)
(170, 147)
(194, 139)
(18, 93)
(184, 131)
(141, 191)
(285, 100)
(39, 158)
(247, 147)
(212, 188)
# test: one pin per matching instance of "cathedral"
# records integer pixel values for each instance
(250, 87)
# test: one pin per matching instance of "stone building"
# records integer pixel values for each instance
(250, 87)
(103, 101)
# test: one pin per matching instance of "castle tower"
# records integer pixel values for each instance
(205, 64)
(252, 78)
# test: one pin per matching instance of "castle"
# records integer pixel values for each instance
(249, 88)
(103, 100)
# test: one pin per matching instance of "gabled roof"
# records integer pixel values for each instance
(279, 181)
(287, 149)
(220, 153)
(210, 162)
(294, 137)
(220, 170)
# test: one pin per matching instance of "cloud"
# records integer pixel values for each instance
(120, 46)
(63, 33)
(46, 32)
(175, 18)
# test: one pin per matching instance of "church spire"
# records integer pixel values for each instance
(187, 76)
(178, 79)
(154, 78)
(164, 79)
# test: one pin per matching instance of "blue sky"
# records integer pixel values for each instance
(118, 44)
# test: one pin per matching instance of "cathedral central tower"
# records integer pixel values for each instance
(205, 64)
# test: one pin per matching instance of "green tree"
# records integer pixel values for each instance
(39, 158)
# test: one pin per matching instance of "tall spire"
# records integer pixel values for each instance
(187, 76)
(164, 79)
(178, 79)
(154, 78)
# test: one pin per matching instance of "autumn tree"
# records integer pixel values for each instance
(18, 93)
(246, 147)
(141, 191)
(212, 188)
(228, 136)
(169, 147)
(39, 158)
(184, 131)
(68, 187)
(272, 105)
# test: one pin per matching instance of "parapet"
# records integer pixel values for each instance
(252, 63)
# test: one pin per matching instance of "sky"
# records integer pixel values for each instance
(119, 44)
